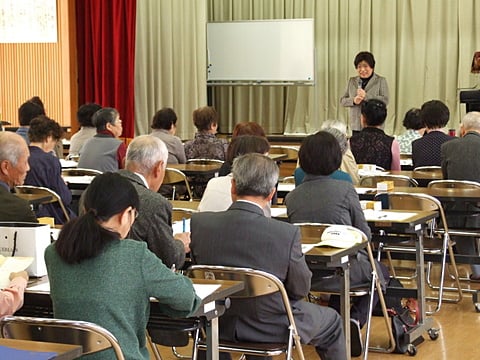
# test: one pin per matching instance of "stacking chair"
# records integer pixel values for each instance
(315, 230)
(425, 174)
(80, 172)
(176, 177)
(179, 214)
(91, 337)
(430, 169)
(398, 180)
(288, 162)
(205, 161)
(437, 242)
(39, 190)
(257, 283)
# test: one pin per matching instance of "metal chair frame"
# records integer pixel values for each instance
(417, 202)
(314, 230)
(80, 172)
(29, 189)
(174, 177)
(398, 180)
(257, 283)
(91, 337)
(205, 161)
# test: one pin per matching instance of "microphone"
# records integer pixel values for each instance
(360, 83)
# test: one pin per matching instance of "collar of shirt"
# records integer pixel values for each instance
(105, 133)
(250, 202)
(143, 179)
(5, 185)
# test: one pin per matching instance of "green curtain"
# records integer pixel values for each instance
(423, 47)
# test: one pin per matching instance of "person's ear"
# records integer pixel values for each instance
(233, 190)
(270, 196)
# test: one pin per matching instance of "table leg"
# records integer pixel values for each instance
(212, 339)
(345, 307)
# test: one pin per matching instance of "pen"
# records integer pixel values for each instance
(184, 224)
(382, 216)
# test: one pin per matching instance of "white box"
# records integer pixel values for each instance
(26, 239)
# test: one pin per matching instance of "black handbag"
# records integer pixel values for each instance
(402, 322)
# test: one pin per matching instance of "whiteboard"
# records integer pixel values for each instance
(261, 50)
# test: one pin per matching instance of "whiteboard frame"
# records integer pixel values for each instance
(261, 52)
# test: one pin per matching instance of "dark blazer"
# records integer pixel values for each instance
(154, 224)
(461, 158)
(426, 150)
(242, 236)
(12, 208)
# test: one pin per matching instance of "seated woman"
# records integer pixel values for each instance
(426, 151)
(322, 199)
(206, 145)
(11, 297)
(45, 169)
(99, 276)
(415, 129)
(164, 125)
(217, 195)
(338, 174)
(372, 145)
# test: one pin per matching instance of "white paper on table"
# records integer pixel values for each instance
(307, 247)
(365, 190)
(364, 172)
(45, 286)
(382, 215)
(285, 187)
(406, 162)
(68, 163)
(84, 179)
(12, 264)
(278, 211)
(179, 227)
(203, 290)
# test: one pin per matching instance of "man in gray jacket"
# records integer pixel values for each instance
(145, 164)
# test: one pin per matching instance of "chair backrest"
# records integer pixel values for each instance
(289, 180)
(315, 230)
(91, 337)
(39, 190)
(290, 151)
(174, 177)
(398, 180)
(179, 214)
(451, 184)
(205, 161)
(428, 168)
(80, 172)
(415, 202)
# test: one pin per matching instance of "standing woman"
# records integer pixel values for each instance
(366, 86)
(99, 276)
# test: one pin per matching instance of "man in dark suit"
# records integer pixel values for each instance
(461, 161)
(13, 169)
(242, 236)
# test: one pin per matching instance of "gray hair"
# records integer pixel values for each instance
(254, 174)
(104, 116)
(341, 138)
(336, 124)
(12, 147)
(471, 121)
(144, 152)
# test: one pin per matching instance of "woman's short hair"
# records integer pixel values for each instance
(320, 154)
(204, 118)
(164, 118)
(85, 114)
(29, 111)
(434, 114)
(84, 238)
(104, 116)
(374, 111)
(413, 120)
(42, 127)
(247, 128)
(364, 56)
(246, 144)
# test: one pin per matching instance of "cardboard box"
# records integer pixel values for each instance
(385, 185)
(368, 204)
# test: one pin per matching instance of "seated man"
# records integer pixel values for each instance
(242, 236)
(145, 167)
(13, 170)
(461, 161)
(105, 151)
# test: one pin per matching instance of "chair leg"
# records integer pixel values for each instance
(154, 348)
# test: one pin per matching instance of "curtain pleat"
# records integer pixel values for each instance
(106, 55)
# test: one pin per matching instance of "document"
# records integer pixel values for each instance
(181, 226)
(203, 290)
(382, 215)
(12, 264)
(44, 287)
(84, 179)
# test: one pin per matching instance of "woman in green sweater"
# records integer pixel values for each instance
(99, 276)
